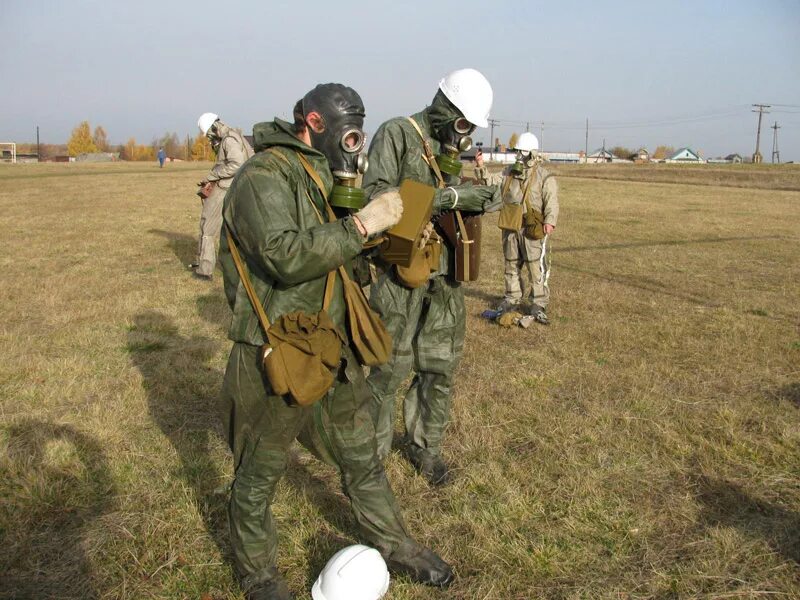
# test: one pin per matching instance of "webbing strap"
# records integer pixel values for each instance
(429, 157)
(331, 215)
(431, 160)
(248, 286)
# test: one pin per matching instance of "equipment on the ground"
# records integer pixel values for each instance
(353, 573)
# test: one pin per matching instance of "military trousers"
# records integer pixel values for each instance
(210, 226)
(427, 326)
(520, 253)
(338, 429)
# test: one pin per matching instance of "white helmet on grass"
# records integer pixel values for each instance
(471, 93)
(353, 573)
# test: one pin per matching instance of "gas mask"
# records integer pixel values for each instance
(455, 139)
(524, 160)
(342, 139)
(213, 135)
(452, 131)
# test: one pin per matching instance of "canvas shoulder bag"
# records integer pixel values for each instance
(510, 218)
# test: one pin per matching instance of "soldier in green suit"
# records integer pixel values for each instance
(272, 211)
(427, 322)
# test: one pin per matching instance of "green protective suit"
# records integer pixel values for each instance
(427, 324)
(288, 253)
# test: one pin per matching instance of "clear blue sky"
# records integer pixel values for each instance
(681, 73)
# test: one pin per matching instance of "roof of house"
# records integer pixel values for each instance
(681, 151)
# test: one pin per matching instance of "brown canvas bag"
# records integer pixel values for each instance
(301, 349)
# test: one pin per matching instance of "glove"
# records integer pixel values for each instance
(381, 213)
(467, 197)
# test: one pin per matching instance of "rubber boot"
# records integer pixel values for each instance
(429, 465)
(419, 564)
(272, 589)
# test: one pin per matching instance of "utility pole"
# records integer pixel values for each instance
(38, 153)
(492, 123)
(527, 126)
(586, 142)
(776, 155)
(760, 110)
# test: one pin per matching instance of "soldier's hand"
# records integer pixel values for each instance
(381, 213)
(479, 158)
(548, 229)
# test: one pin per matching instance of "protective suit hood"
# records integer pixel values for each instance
(441, 113)
(279, 133)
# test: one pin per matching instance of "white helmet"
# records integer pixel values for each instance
(471, 93)
(527, 142)
(205, 121)
(353, 573)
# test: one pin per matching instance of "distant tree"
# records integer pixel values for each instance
(100, 138)
(662, 152)
(201, 149)
(171, 144)
(81, 140)
(133, 151)
(512, 141)
(621, 152)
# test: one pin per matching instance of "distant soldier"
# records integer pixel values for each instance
(232, 152)
(529, 192)
(162, 156)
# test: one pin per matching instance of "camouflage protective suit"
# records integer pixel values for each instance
(520, 251)
(232, 152)
(427, 323)
(288, 254)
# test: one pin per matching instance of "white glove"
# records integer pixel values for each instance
(381, 213)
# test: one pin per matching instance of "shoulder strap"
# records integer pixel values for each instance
(248, 286)
(527, 188)
(429, 158)
(331, 215)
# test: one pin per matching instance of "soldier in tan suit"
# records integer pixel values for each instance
(529, 184)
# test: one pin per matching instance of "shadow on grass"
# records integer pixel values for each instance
(213, 307)
(727, 504)
(183, 246)
(790, 393)
(182, 392)
(56, 482)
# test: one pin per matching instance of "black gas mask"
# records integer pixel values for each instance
(453, 132)
(342, 139)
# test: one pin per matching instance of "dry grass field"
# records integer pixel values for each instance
(644, 445)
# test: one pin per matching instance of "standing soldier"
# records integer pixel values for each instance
(426, 319)
(530, 193)
(232, 152)
(295, 255)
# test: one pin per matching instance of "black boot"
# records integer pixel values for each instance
(429, 465)
(420, 564)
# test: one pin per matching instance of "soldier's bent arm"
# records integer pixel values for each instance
(550, 200)
(262, 213)
(384, 157)
(229, 159)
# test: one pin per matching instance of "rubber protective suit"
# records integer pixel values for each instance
(426, 323)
